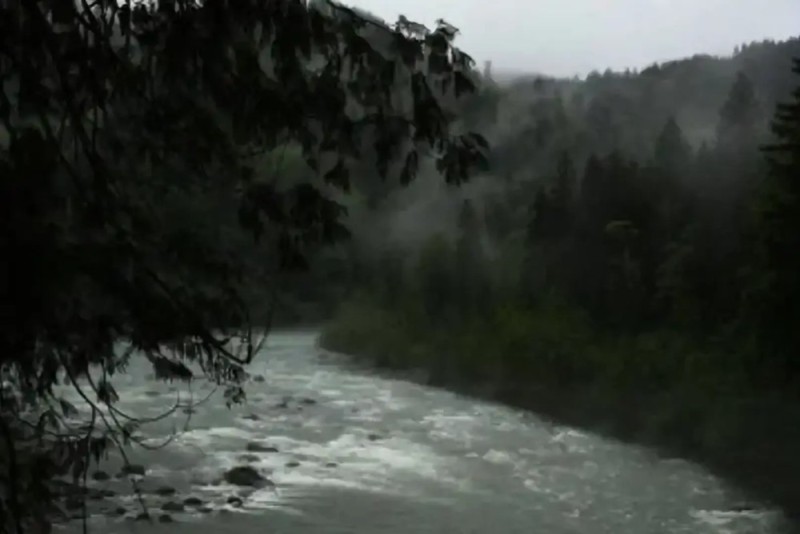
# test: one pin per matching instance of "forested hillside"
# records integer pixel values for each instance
(629, 262)
(537, 125)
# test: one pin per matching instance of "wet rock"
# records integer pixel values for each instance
(258, 447)
(132, 469)
(258, 378)
(236, 502)
(251, 417)
(246, 476)
(118, 511)
(100, 476)
(97, 494)
(193, 501)
(165, 518)
(742, 507)
(374, 437)
(331, 464)
(308, 401)
(58, 485)
(172, 506)
(68, 488)
(293, 463)
(73, 503)
(165, 491)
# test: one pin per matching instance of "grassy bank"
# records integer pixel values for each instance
(678, 395)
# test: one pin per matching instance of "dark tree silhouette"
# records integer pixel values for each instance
(116, 117)
(740, 114)
(772, 301)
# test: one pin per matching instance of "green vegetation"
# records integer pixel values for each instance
(633, 266)
(167, 165)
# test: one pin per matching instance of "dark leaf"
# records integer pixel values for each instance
(339, 176)
(67, 409)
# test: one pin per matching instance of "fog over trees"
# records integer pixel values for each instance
(178, 178)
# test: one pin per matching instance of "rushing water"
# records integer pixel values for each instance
(374, 455)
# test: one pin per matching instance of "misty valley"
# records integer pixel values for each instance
(282, 266)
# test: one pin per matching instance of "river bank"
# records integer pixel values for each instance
(745, 436)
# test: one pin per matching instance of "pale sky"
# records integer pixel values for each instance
(566, 37)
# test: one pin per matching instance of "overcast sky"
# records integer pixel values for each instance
(566, 37)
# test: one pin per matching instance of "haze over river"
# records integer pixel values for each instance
(369, 454)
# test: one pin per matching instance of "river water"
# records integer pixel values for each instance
(369, 454)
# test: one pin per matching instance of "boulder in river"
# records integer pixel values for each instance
(172, 506)
(236, 502)
(258, 378)
(254, 446)
(331, 464)
(293, 463)
(251, 417)
(132, 469)
(374, 437)
(742, 508)
(97, 494)
(308, 401)
(245, 475)
(100, 476)
(73, 503)
(193, 501)
(165, 491)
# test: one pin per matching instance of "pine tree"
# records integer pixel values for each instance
(672, 152)
(773, 298)
(672, 160)
(563, 191)
(740, 116)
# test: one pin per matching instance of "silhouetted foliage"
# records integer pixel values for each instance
(136, 144)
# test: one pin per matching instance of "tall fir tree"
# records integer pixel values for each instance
(773, 299)
(740, 116)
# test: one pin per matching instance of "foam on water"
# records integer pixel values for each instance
(419, 445)
(216, 437)
(498, 457)
(725, 521)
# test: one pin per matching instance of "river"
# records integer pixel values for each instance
(369, 454)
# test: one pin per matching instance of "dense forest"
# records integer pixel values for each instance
(618, 251)
(629, 262)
